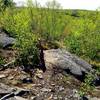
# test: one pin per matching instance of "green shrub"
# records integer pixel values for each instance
(16, 22)
(84, 39)
(53, 21)
(87, 86)
(28, 53)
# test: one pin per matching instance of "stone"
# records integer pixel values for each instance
(64, 60)
(5, 40)
(21, 92)
(92, 98)
(19, 98)
(5, 89)
(40, 76)
(55, 98)
(33, 98)
(61, 88)
(2, 76)
(10, 77)
(6, 92)
(76, 94)
(45, 90)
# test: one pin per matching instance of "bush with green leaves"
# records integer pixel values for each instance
(84, 38)
(87, 86)
(28, 53)
(47, 22)
(16, 22)
(18, 25)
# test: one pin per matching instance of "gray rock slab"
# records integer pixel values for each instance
(64, 60)
(6, 40)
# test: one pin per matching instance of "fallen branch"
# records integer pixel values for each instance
(10, 63)
(7, 96)
(3, 67)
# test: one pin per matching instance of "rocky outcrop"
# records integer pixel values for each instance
(5, 40)
(64, 60)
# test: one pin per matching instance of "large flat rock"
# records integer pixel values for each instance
(64, 60)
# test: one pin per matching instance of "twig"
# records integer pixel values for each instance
(10, 63)
(7, 96)
(3, 67)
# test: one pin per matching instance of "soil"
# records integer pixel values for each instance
(52, 84)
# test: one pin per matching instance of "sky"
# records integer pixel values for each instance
(70, 4)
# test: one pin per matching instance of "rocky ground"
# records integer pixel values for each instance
(15, 84)
(58, 82)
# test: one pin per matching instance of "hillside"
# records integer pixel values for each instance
(49, 53)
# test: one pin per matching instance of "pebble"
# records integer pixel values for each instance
(55, 98)
(40, 76)
(10, 77)
(19, 98)
(2, 76)
(45, 90)
(33, 97)
(61, 88)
